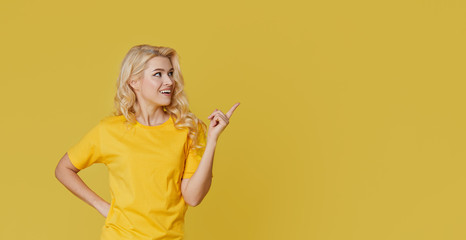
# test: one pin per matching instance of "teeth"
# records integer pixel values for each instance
(165, 91)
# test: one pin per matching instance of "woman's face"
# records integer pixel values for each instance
(157, 76)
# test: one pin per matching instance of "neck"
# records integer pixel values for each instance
(150, 115)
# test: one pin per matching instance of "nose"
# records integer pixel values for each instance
(168, 81)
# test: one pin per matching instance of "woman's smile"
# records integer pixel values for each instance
(166, 92)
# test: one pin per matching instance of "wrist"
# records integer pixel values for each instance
(99, 203)
(212, 140)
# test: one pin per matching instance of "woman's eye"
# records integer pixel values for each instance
(169, 74)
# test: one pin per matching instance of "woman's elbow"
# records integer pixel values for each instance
(191, 202)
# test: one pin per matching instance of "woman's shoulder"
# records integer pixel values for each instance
(114, 120)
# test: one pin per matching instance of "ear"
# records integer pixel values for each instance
(134, 83)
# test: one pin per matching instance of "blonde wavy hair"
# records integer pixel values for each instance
(132, 67)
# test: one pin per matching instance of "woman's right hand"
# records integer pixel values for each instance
(104, 208)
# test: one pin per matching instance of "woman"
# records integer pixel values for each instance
(158, 153)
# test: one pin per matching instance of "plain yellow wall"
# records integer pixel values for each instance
(351, 123)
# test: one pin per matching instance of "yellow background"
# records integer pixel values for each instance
(351, 123)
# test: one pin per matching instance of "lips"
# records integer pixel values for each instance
(166, 92)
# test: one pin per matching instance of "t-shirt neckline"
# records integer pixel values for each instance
(155, 127)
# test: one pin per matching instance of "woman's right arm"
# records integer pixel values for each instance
(67, 174)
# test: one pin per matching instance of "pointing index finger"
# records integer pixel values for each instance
(232, 109)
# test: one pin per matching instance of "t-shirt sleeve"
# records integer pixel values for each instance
(87, 151)
(194, 156)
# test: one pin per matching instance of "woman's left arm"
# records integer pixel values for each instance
(194, 189)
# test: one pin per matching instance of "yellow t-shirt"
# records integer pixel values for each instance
(146, 165)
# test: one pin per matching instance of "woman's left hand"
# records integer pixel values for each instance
(218, 122)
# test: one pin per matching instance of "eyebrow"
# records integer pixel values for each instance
(160, 69)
